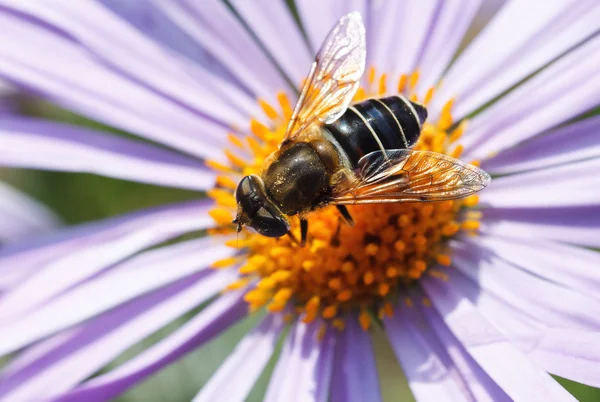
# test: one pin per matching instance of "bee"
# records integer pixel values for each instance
(340, 154)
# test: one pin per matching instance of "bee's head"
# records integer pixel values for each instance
(256, 210)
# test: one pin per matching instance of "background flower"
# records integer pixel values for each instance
(98, 65)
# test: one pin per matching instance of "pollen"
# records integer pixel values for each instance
(342, 271)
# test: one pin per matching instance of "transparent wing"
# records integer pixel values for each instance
(404, 175)
(333, 78)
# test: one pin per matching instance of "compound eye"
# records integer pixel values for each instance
(268, 224)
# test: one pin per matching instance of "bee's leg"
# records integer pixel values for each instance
(346, 214)
(303, 231)
(291, 235)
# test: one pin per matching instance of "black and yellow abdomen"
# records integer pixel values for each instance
(376, 125)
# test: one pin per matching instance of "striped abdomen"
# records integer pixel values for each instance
(378, 124)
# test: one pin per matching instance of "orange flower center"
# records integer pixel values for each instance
(342, 269)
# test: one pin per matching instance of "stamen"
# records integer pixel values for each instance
(382, 84)
(414, 80)
(428, 96)
(235, 140)
(286, 106)
(227, 182)
(341, 269)
(268, 109)
(371, 77)
(402, 83)
(259, 130)
(235, 160)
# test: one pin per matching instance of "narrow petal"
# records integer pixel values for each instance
(214, 319)
(356, 377)
(218, 31)
(150, 20)
(303, 371)
(575, 225)
(563, 264)
(38, 144)
(548, 302)
(517, 375)
(100, 92)
(273, 24)
(573, 184)
(575, 142)
(67, 263)
(446, 32)
(21, 215)
(564, 90)
(566, 352)
(479, 382)
(523, 37)
(120, 284)
(429, 370)
(318, 17)
(96, 343)
(245, 364)
(136, 56)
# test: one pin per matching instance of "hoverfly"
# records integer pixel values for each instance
(337, 153)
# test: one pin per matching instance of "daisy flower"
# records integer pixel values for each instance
(480, 298)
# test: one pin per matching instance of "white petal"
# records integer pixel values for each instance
(69, 360)
(304, 369)
(212, 25)
(564, 90)
(523, 36)
(574, 184)
(574, 142)
(274, 25)
(245, 364)
(21, 215)
(70, 262)
(120, 284)
(518, 376)
(218, 316)
(38, 144)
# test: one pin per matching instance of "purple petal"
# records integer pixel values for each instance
(430, 372)
(479, 382)
(147, 18)
(523, 37)
(93, 345)
(65, 264)
(303, 371)
(318, 17)
(219, 32)
(576, 225)
(517, 375)
(21, 215)
(355, 377)
(100, 92)
(569, 266)
(446, 32)
(565, 89)
(540, 299)
(214, 319)
(574, 184)
(569, 353)
(273, 24)
(245, 364)
(136, 56)
(571, 143)
(38, 144)
(124, 282)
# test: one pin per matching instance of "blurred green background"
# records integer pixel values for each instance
(83, 197)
